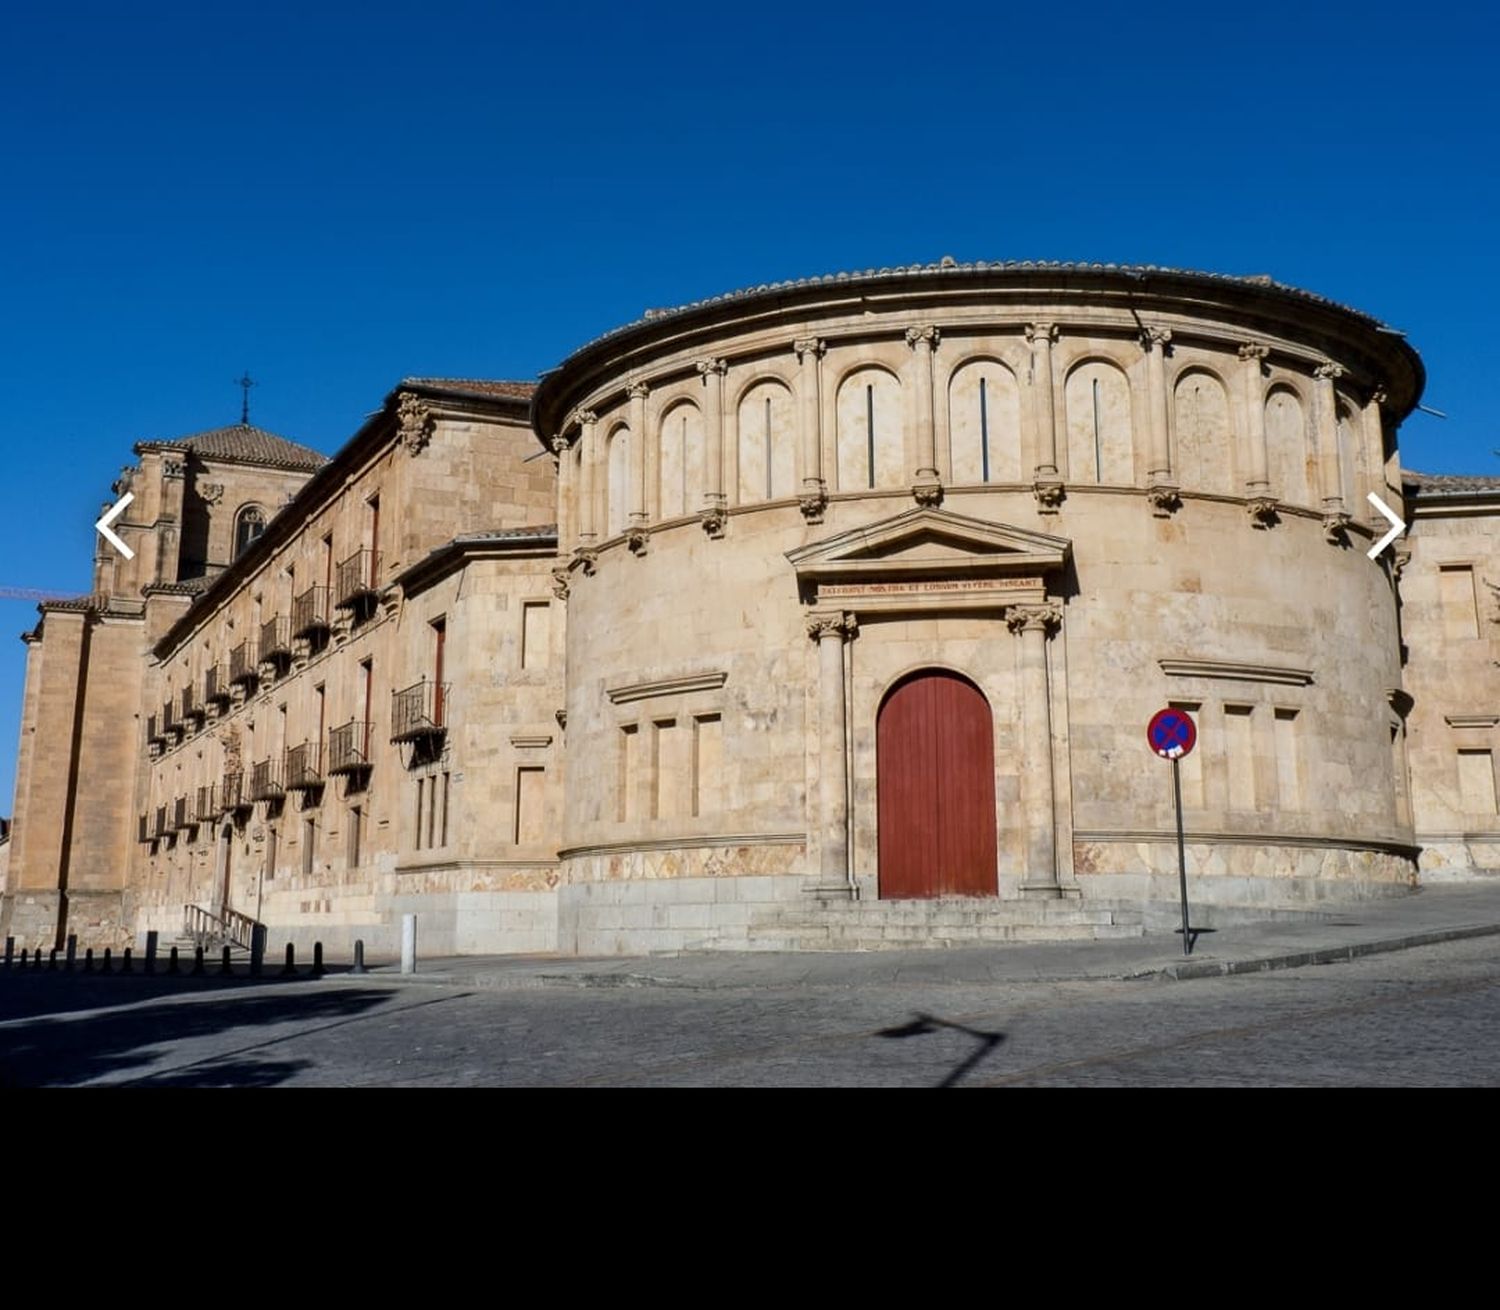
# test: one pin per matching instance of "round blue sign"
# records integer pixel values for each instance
(1171, 733)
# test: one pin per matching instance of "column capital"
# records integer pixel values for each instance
(1031, 618)
(823, 625)
(1041, 333)
(813, 346)
(1328, 371)
(706, 367)
(1254, 351)
(637, 391)
(582, 417)
(1156, 338)
(560, 445)
(1377, 395)
(922, 334)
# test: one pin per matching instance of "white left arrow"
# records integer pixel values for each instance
(110, 515)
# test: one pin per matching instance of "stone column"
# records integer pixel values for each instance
(1335, 513)
(712, 514)
(567, 510)
(814, 498)
(588, 477)
(830, 631)
(1032, 623)
(636, 391)
(927, 487)
(1047, 484)
(1374, 439)
(1161, 486)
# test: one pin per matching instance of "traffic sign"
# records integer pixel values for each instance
(1171, 733)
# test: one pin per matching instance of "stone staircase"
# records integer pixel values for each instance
(945, 922)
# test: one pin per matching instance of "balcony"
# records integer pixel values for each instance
(349, 748)
(216, 686)
(355, 588)
(244, 666)
(171, 728)
(207, 804)
(183, 814)
(310, 614)
(304, 771)
(191, 710)
(143, 829)
(418, 712)
(234, 794)
(266, 781)
(159, 826)
(276, 643)
(154, 735)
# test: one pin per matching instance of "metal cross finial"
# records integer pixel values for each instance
(245, 383)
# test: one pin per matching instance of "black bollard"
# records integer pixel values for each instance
(108, 959)
(10, 951)
(318, 969)
(125, 961)
(197, 962)
(25, 955)
(359, 956)
(289, 969)
(225, 967)
(72, 950)
(257, 949)
(88, 960)
(151, 952)
(172, 965)
(52, 958)
(36, 958)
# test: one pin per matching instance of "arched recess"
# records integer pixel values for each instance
(767, 455)
(984, 423)
(1290, 456)
(1351, 460)
(935, 788)
(680, 465)
(617, 513)
(871, 431)
(1101, 445)
(1204, 445)
(249, 523)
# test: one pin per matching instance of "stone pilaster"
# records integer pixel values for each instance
(712, 513)
(1373, 424)
(831, 631)
(588, 477)
(927, 487)
(567, 510)
(1260, 501)
(1033, 623)
(1047, 484)
(1161, 485)
(1331, 487)
(814, 497)
(636, 392)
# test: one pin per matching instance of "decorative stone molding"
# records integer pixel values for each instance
(586, 559)
(415, 417)
(580, 418)
(637, 539)
(637, 391)
(929, 494)
(688, 682)
(1329, 371)
(1254, 351)
(530, 740)
(1236, 671)
(560, 584)
(708, 366)
(560, 446)
(1026, 618)
(1336, 525)
(809, 346)
(813, 504)
(562, 719)
(840, 624)
(211, 493)
(1040, 332)
(1262, 511)
(1164, 498)
(1400, 557)
(924, 332)
(1049, 494)
(714, 519)
(1152, 336)
(1472, 720)
(171, 468)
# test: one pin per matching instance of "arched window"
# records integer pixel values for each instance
(249, 523)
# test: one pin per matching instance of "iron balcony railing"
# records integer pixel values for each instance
(183, 814)
(143, 831)
(207, 803)
(244, 667)
(266, 781)
(233, 793)
(189, 706)
(154, 734)
(216, 686)
(169, 724)
(310, 613)
(419, 712)
(355, 586)
(349, 748)
(276, 642)
(160, 827)
(304, 770)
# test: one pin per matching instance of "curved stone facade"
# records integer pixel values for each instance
(1089, 492)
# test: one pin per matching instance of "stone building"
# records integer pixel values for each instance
(824, 612)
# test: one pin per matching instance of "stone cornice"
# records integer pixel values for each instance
(688, 682)
(1236, 671)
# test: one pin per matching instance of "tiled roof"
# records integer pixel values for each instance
(475, 387)
(243, 443)
(1454, 483)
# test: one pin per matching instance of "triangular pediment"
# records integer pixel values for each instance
(931, 543)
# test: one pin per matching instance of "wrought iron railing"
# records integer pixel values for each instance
(349, 748)
(160, 828)
(419, 711)
(216, 685)
(233, 792)
(243, 664)
(304, 770)
(355, 582)
(183, 815)
(154, 734)
(207, 803)
(189, 706)
(310, 613)
(169, 724)
(266, 781)
(208, 929)
(143, 831)
(276, 641)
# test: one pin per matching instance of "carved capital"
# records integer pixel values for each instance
(1377, 396)
(813, 504)
(171, 468)
(923, 334)
(560, 446)
(1031, 618)
(1164, 498)
(928, 493)
(1328, 371)
(1262, 511)
(637, 538)
(1156, 338)
(1253, 351)
(1049, 494)
(415, 418)
(708, 367)
(840, 625)
(583, 417)
(714, 520)
(637, 391)
(1041, 333)
(1336, 526)
(809, 346)
(560, 581)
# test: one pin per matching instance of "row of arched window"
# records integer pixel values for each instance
(1098, 439)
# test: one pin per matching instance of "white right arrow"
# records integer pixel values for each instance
(1397, 526)
(110, 515)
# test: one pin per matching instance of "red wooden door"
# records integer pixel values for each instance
(935, 772)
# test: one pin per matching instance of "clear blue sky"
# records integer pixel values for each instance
(337, 196)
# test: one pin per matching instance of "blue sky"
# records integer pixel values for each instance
(336, 196)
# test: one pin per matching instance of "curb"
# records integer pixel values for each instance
(1325, 955)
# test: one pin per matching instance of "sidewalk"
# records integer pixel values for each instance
(1442, 913)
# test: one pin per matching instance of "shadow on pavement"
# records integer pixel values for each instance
(923, 1024)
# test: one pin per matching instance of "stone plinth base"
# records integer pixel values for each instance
(31, 918)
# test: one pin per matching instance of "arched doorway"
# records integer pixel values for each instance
(935, 779)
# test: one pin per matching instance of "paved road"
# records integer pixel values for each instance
(1416, 1018)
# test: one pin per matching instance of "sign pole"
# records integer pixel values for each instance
(1187, 939)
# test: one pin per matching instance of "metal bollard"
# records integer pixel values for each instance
(108, 960)
(408, 943)
(318, 969)
(289, 969)
(88, 960)
(52, 958)
(197, 962)
(257, 949)
(151, 952)
(359, 956)
(225, 966)
(10, 951)
(125, 960)
(25, 955)
(172, 965)
(72, 950)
